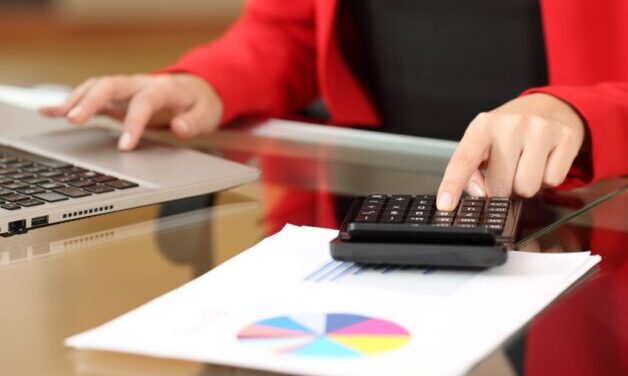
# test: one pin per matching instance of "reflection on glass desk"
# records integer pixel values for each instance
(64, 279)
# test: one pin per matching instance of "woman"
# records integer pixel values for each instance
(281, 55)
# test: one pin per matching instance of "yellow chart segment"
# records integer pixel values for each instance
(370, 344)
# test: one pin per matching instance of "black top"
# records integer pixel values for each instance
(431, 65)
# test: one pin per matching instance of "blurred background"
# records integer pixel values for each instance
(66, 41)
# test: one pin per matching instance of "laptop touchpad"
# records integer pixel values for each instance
(95, 148)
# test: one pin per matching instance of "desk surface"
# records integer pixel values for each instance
(64, 279)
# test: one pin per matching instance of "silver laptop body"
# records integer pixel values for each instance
(163, 173)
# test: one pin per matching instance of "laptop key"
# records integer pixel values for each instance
(72, 192)
(98, 189)
(30, 190)
(81, 183)
(11, 207)
(121, 184)
(103, 179)
(51, 185)
(14, 197)
(36, 181)
(50, 197)
(30, 202)
(15, 185)
(67, 178)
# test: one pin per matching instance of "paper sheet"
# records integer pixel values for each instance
(412, 321)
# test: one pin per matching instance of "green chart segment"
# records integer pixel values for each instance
(325, 335)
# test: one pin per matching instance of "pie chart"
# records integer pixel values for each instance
(337, 335)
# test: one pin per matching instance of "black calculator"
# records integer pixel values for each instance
(409, 230)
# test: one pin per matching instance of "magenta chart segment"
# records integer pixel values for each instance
(338, 335)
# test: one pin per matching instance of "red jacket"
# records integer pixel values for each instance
(280, 55)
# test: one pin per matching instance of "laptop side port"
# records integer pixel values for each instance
(17, 227)
(39, 221)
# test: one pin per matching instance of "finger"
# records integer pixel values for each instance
(463, 163)
(201, 118)
(475, 186)
(70, 102)
(531, 167)
(504, 156)
(190, 123)
(142, 106)
(97, 98)
(560, 160)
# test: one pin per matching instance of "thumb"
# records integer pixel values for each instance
(192, 122)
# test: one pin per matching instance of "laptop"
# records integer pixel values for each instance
(51, 172)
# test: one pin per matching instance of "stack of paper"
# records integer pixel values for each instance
(286, 306)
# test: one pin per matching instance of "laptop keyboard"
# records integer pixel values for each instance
(28, 180)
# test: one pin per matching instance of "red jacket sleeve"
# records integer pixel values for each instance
(265, 64)
(604, 107)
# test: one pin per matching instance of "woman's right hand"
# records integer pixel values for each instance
(185, 103)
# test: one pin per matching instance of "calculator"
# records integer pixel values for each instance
(406, 229)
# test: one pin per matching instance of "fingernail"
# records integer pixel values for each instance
(475, 189)
(76, 112)
(125, 141)
(444, 201)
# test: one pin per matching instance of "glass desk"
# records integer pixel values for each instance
(64, 279)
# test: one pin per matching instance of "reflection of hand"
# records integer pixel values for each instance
(184, 101)
(527, 142)
(561, 240)
(535, 246)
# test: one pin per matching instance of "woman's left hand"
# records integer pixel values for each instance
(526, 143)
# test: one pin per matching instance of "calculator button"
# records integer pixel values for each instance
(371, 207)
(464, 225)
(396, 207)
(416, 219)
(422, 207)
(471, 209)
(440, 213)
(373, 202)
(469, 215)
(442, 220)
(498, 228)
(366, 218)
(391, 219)
(466, 203)
(419, 213)
(400, 198)
(499, 199)
(498, 204)
(394, 212)
(495, 221)
(475, 198)
(377, 197)
(425, 202)
(467, 220)
(369, 212)
(497, 210)
(496, 215)
(425, 197)
(441, 224)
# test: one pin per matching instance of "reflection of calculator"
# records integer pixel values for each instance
(409, 230)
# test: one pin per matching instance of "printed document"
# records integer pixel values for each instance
(285, 306)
